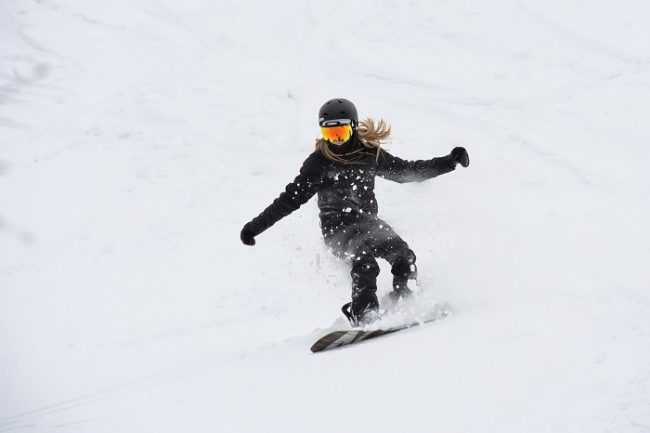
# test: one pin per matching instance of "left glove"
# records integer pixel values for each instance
(459, 156)
(247, 235)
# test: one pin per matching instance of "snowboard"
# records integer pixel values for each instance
(336, 339)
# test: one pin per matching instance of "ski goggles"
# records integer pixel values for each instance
(338, 131)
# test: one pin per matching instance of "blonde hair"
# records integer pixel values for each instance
(372, 135)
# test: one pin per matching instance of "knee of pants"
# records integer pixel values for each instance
(404, 264)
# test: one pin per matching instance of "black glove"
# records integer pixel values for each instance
(459, 156)
(248, 235)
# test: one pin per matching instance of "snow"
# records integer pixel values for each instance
(137, 137)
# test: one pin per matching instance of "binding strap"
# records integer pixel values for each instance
(346, 311)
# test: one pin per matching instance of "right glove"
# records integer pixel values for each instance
(247, 235)
(460, 156)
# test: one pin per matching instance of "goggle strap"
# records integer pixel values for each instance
(337, 122)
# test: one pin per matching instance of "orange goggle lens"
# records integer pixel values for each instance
(340, 133)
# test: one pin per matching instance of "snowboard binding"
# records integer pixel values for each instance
(366, 316)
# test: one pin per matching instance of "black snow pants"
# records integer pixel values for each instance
(360, 242)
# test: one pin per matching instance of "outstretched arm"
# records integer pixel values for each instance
(297, 193)
(400, 170)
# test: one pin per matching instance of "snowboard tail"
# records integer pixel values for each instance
(337, 339)
(343, 338)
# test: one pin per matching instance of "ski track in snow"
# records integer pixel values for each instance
(581, 40)
(136, 138)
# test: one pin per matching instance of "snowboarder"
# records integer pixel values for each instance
(342, 172)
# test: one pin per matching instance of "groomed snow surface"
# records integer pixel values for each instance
(137, 137)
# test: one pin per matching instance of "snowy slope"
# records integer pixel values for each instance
(137, 137)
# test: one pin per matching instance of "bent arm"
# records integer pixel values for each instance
(296, 193)
(399, 170)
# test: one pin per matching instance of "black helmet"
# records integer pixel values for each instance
(337, 108)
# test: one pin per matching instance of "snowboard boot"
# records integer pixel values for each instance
(364, 306)
(400, 289)
(363, 309)
(403, 271)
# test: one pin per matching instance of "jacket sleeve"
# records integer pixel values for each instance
(297, 193)
(399, 170)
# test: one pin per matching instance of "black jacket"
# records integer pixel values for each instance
(346, 191)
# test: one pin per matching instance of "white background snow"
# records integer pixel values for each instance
(137, 137)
